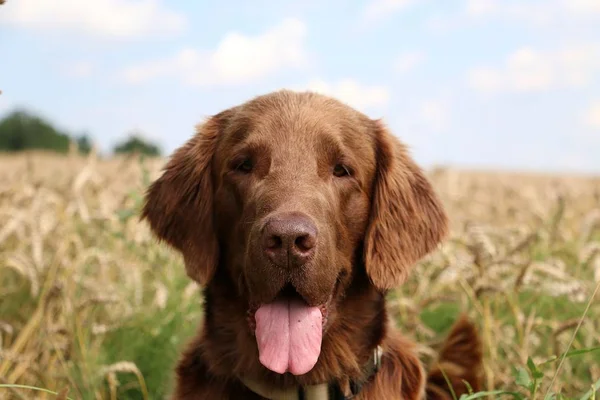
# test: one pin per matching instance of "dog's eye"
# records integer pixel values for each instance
(245, 166)
(340, 170)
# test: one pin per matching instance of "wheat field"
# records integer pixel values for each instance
(92, 307)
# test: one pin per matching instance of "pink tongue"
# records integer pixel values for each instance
(288, 334)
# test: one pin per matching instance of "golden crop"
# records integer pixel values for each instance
(89, 300)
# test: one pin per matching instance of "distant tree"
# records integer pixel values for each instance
(84, 144)
(136, 144)
(21, 130)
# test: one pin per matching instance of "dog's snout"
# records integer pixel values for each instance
(289, 239)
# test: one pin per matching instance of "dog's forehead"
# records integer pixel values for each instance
(301, 116)
(307, 107)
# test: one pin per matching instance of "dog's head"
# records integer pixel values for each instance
(289, 194)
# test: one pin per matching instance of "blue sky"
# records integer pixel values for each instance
(477, 83)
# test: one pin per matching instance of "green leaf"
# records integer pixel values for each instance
(581, 351)
(535, 372)
(571, 353)
(523, 379)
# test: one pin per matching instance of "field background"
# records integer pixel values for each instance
(90, 301)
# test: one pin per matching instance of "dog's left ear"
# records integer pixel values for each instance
(407, 219)
(179, 204)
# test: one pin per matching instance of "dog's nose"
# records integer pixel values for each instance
(289, 239)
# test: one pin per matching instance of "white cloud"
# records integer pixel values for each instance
(592, 116)
(583, 7)
(480, 7)
(362, 97)
(548, 13)
(535, 12)
(78, 69)
(377, 9)
(237, 59)
(528, 70)
(106, 18)
(408, 61)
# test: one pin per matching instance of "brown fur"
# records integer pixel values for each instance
(459, 360)
(272, 155)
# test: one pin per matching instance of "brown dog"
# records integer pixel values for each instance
(296, 213)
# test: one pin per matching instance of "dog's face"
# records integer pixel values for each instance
(292, 184)
(291, 193)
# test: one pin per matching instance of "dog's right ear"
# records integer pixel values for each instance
(408, 219)
(179, 204)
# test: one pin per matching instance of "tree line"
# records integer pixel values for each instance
(22, 130)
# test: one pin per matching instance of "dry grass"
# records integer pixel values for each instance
(90, 302)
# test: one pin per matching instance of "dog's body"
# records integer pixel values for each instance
(296, 214)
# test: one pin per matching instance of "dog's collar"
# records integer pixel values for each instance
(323, 391)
